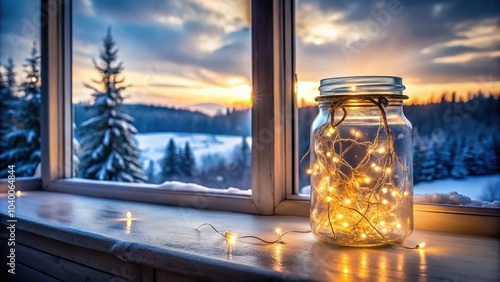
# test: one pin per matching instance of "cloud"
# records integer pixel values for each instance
(181, 36)
(445, 41)
(19, 29)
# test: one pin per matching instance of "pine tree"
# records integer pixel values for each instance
(76, 153)
(476, 163)
(23, 142)
(490, 158)
(108, 148)
(170, 162)
(4, 124)
(187, 161)
(442, 154)
(10, 75)
(244, 156)
(459, 169)
(150, 172)
(427, 167)
(8, 103)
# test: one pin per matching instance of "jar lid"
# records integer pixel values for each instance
(355, 85)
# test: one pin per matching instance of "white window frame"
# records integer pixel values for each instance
(274, 130)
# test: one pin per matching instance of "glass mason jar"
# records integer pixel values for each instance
(361, 163)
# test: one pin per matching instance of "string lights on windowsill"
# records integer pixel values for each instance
(232, 237)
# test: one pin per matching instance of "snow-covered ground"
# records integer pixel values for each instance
(152, 145)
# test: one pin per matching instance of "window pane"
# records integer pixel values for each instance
(20, 99)
(447, 54)
(161, 93)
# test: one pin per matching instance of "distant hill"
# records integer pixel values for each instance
(211, 109)
(150, 118)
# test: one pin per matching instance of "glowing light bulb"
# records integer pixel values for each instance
(374, 165)
(384, 230)
(328, 154)
(381, 150)
(398, 226)
(367, 179)
(340, 216)
(328, 199)
(309, 171)
(388, 170)
(18, 193)
(405, 194)
(331, 130)
(357, 134)
(347, 201)
(328, 134)
(377, 168)
(394, 193)
(335, 160)
(363, 235)
(278, 230)
(345, 270)
(421, 245)
(129, 215)
(345, 224)
(384, 201)
(33, 79)
(384, 190)
(330, 189)
(382, 223)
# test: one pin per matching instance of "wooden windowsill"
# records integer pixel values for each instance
(164, 238)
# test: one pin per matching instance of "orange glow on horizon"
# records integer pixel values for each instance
(418, 93)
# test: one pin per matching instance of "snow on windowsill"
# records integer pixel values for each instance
(454, 198)
(191, 187)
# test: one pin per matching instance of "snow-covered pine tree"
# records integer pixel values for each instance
(150, 172)
(8, 103)
(244, 154)
(108, 148)
(428, 165)
(23, 142)
(187, 161)
(10, 75)
(442, 154)
(419, 155)
(459, 169)
(170, 163)
(76, 153)
(476, 163)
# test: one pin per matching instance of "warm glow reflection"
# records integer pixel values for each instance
(278, 257)
(129, 226)
(345, 263)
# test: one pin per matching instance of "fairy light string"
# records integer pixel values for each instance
(362, 201)
(231, 237)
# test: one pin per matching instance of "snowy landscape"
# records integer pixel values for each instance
(466, 191)
(152, 146)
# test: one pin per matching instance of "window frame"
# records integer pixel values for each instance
(274, 130)
(271, 135)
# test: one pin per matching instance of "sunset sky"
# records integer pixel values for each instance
(188, 52)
